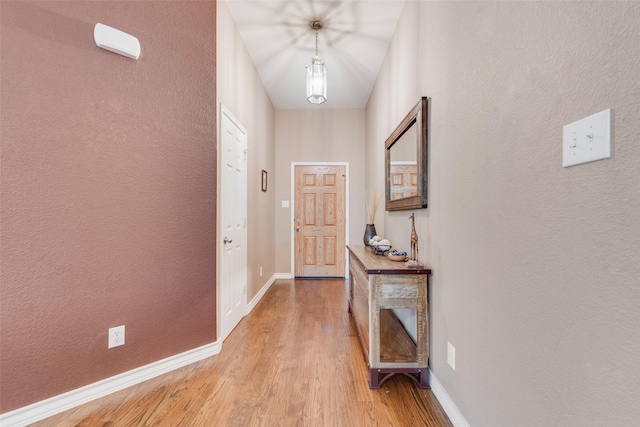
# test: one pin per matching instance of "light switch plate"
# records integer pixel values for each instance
(285, 203)
(587, 139)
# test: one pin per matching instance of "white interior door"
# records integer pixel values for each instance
(233, 229)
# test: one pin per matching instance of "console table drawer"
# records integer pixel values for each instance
(398, 290)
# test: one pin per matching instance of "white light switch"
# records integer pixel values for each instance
(587, 139)
(285, 203)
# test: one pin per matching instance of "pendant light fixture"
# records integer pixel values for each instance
(316, 73)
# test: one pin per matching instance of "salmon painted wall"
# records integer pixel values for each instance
(108, 187)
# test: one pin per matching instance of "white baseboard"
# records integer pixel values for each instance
(57, 404)
(454, 414)
(252, 304)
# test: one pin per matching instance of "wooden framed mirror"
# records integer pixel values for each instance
(406, 160)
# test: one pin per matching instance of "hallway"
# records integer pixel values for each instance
(293, 361)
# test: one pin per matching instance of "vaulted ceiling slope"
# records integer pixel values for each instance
(352, 44)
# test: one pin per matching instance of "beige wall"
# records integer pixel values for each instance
(536, 266)
(241, 91)
(108, 192)
(317, 136)
(394, 95)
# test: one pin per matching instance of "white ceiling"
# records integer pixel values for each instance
(352, 44)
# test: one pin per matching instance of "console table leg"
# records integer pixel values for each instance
(424, 379)
(374, 379)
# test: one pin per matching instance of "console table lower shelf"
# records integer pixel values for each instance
(377, 286)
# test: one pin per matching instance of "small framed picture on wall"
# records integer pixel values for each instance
(264, 180)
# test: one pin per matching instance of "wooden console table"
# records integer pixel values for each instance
(376, 286)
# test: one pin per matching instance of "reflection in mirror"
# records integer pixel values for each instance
(406, 161)
(403, 165)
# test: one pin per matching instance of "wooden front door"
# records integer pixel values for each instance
(319, 221)
(404, 180)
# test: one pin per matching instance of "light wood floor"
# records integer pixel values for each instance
(294, 360)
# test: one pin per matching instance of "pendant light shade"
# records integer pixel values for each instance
(316, 81)
(316, 73)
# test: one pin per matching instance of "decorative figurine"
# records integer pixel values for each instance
(414, 239)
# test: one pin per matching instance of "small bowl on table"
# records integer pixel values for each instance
(396, 255)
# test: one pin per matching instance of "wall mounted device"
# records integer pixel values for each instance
(116, 41)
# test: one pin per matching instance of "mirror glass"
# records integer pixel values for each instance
(403, 165)
(406, 161)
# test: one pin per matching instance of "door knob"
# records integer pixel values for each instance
(227, 240)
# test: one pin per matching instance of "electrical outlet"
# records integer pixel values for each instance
(260, 271)
(451, 355)
(116, 336)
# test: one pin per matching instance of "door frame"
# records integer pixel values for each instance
(219, 232)
(292, 209)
